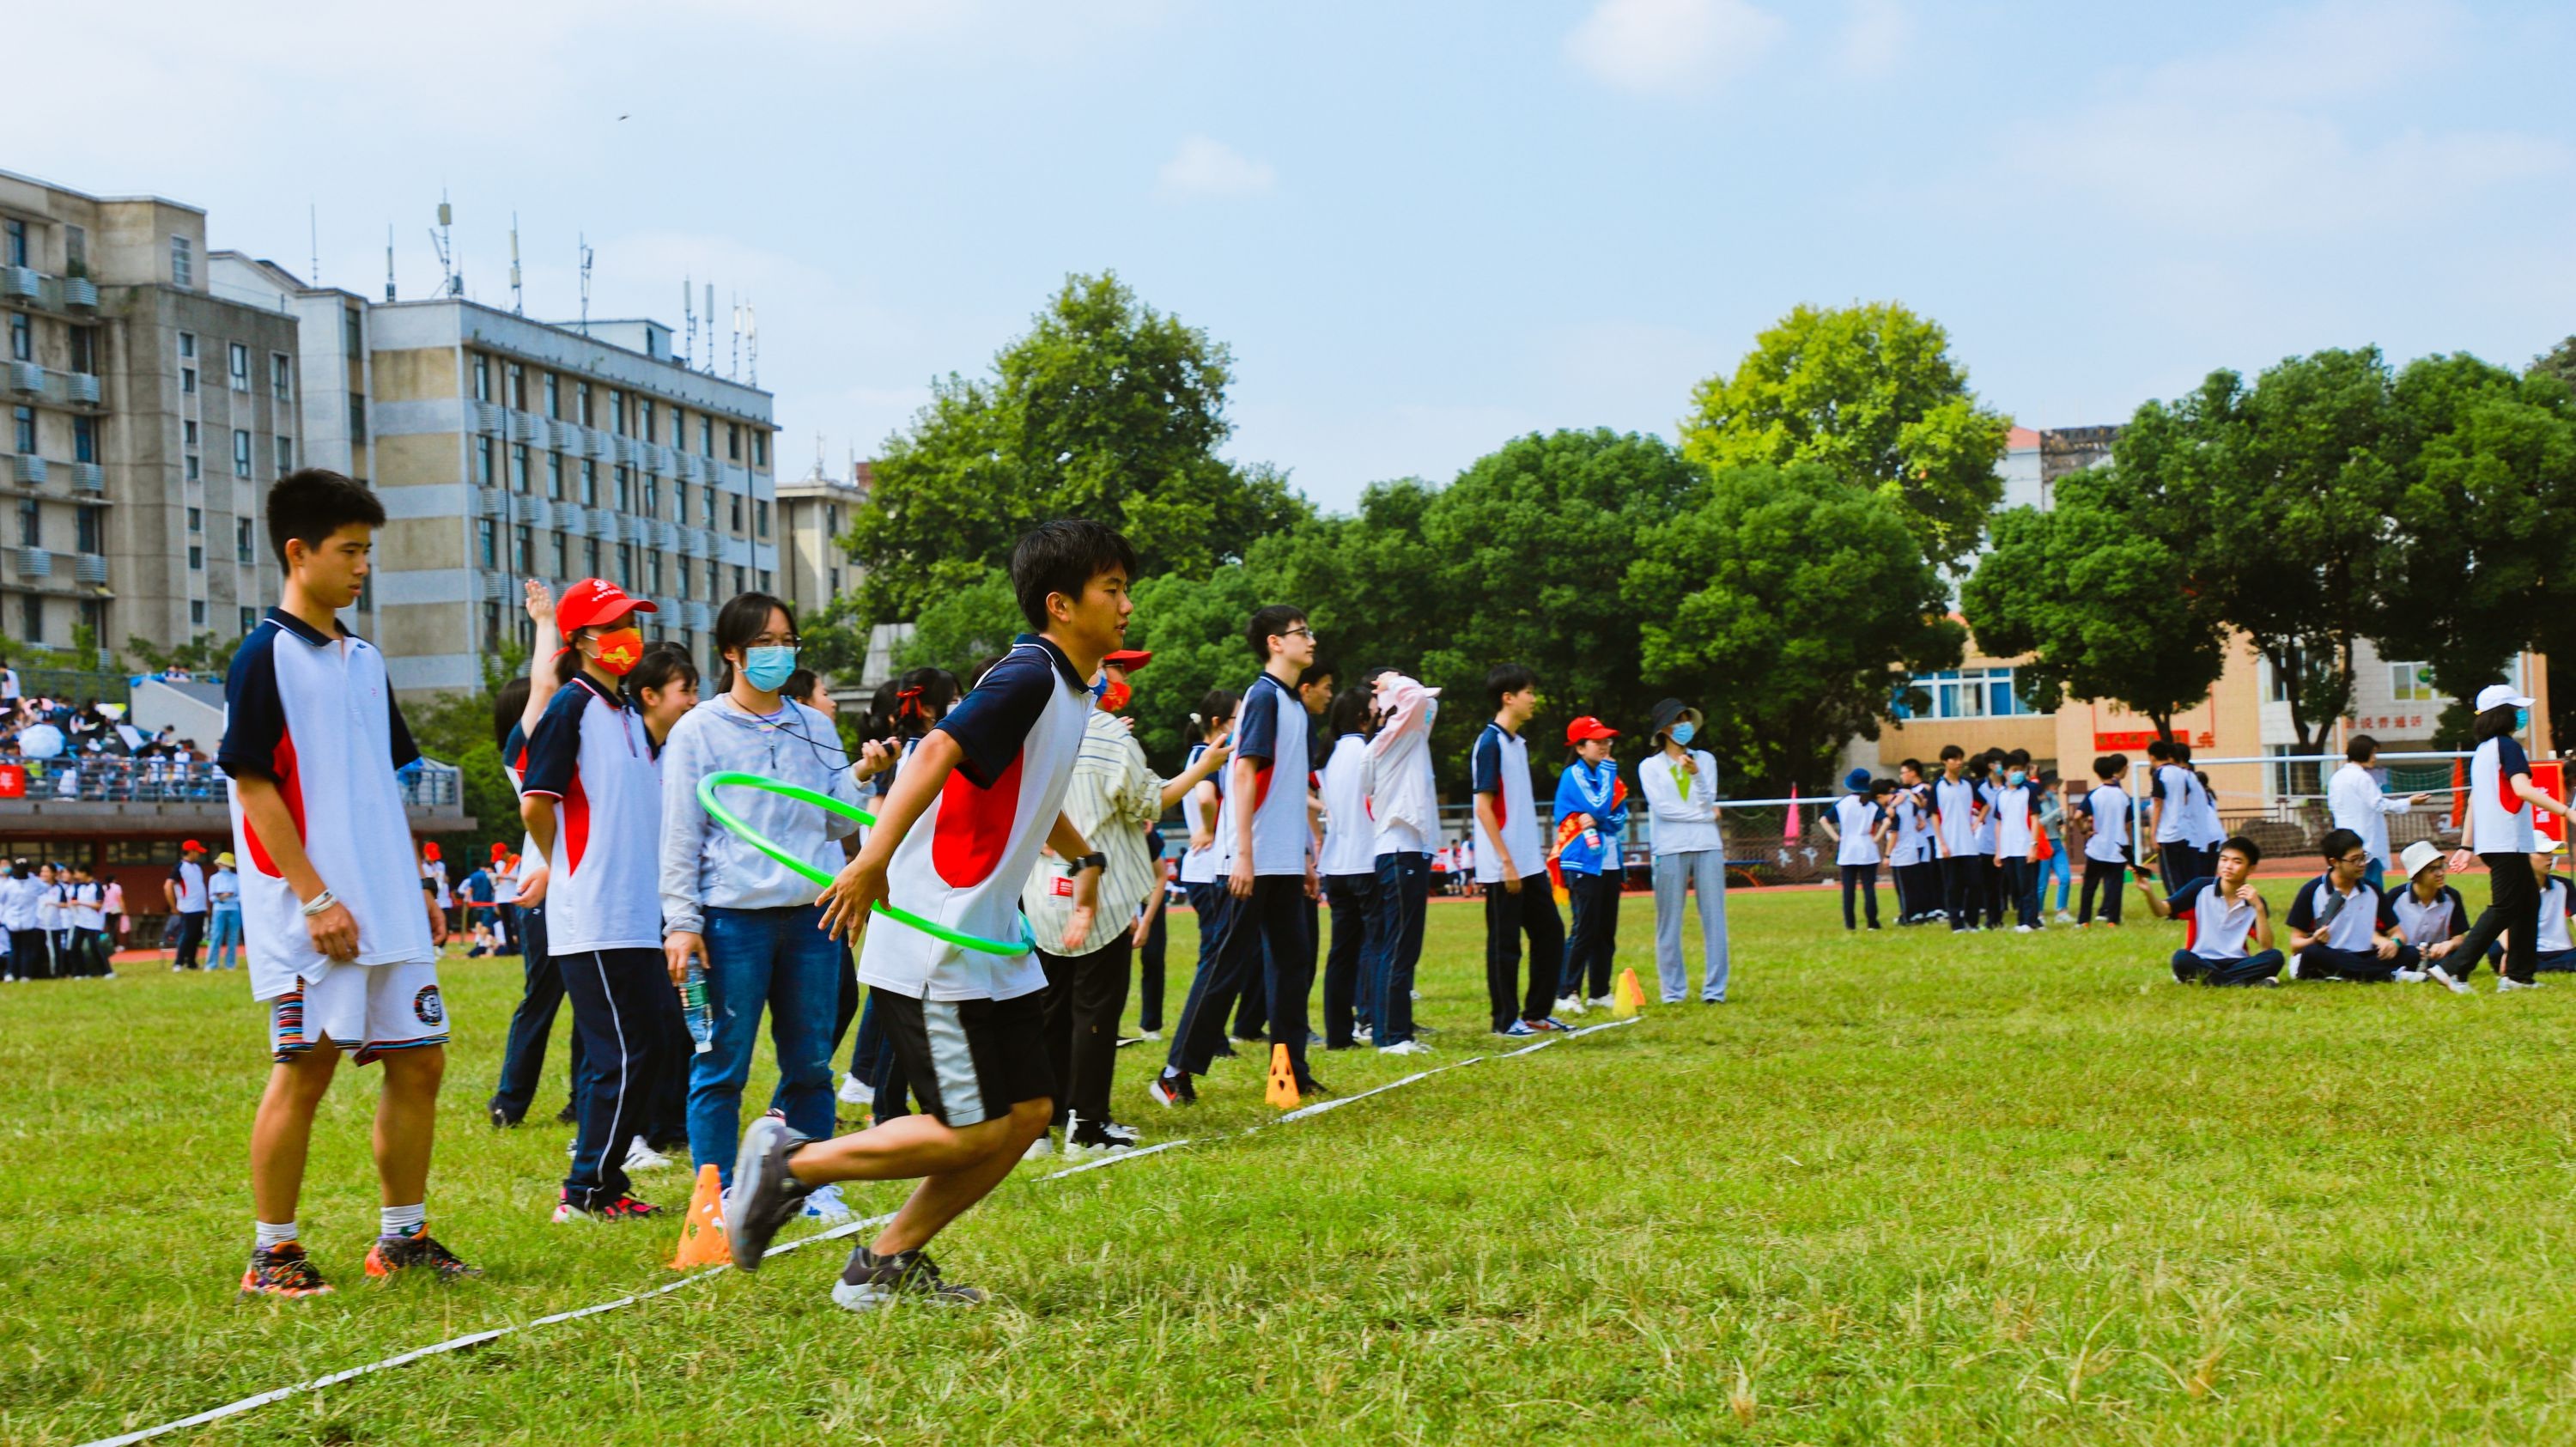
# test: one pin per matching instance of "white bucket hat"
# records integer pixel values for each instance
(2417, 855)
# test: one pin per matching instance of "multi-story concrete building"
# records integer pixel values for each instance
(146, 413)
(507, 448)
(814, 512)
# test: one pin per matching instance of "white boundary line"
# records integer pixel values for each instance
(847, 1228)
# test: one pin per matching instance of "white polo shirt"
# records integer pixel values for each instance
(2500, 819)
(592, 755)
(2179, 823)
(1271, 731)
(2555, 905)
(1954, 815)
(314, 713)
(2107, 806)
(1502, 770)
(2011, 816)
(191, 879)
(1855, 817)
(1350, 835)
(1198, 862)
(2354, 921)
(2419, 924)
(2214, 926)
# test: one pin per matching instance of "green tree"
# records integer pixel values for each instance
(2105, 609)
(2558, 364)
(1106, 409)
(453, 723)
(1791, 606)
(1872, 393)
(965, 626)
(205, 654)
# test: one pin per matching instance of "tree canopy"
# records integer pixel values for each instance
(1872, 394)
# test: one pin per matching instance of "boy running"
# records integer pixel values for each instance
(312, 738)
(958, 836)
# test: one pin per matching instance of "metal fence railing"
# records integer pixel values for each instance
(109, 780)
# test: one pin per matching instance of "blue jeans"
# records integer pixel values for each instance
(224, 939)
(774, 958)
(1403, 887)
(2055, 867)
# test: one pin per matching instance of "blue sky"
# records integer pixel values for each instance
(1423, 228)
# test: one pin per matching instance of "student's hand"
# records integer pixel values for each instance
(2440, 949)
(541, 604)
(1077, 928)
(1143, 931)
(858, 888)
(1511, 877)
(1216, 752)
(2460, 861)
(2385, 948)
(437, 919)
(532, 890)
(1238, 880)
(2246, 894)
(334, 932)
(2414, 799)
(1314, 886)
(874, 757)
(678, 948)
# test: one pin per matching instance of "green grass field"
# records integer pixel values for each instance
(1904, 1188)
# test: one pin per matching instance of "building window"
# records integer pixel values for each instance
(187, 381)
(194, 471)
(250, 620)
(625, 502)
(196, 520)
(2411, 683)
(84, 439)
(357, 417)
(625, 565)
(616, 411)
(518, 467)
(836, 583)
(23, 420)
(523, 548)
(554, 476)
(653, 572)
(242, 542)
(285, 456)
(589, 483)
(527, 633)
(765, 580)
(492, 625)
(715, 581)
(85, 350)
(563, 561)
(554, 395)
(31, 618)
(76, 250)
(188, 433)
(352, 339)
(483, 461)
(197, 612)
(652, 496)
(760, 449)
(590, 557)
(736, 500)
(187, 344)
(760, 516)
(183, 265)
(514, 380)
(739, 583)
(482, 378)
(644, 413)
(197, 561)
(487, 544)
(238, 366)
(581, 402)
(706, 436)
(681, 571)
(281, 377)
(1963, 693)
(241, 453)
(31, 523)
(22, 338)
(14, 233)
(832, 519)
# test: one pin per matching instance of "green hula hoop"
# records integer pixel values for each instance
(707, 800)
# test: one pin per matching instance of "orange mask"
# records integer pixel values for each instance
(620, 650)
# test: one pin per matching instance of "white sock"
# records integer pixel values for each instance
(402, 1220)
(273, 1235)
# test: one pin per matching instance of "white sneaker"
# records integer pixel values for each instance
(641, 1157)
(1146, 1037)
(2021, 929)
(2064, 918)
(854, 1091)
(824, 1204)
(1601, 1002)
(2292, 972)
(1569, 1004)
(2448, 981)
(1039, 1149)
(2409, 977)
(1405, 1047)
(2503, 985)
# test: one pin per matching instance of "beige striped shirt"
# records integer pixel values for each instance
(1114, 798)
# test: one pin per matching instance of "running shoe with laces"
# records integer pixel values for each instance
(1173, 1088)
(2456, 984)
(1089, 1137)
(624, 1208)
(282, 1270)
(824, 1204)
(765, 1194)
(642, 1157)
(419, 1249)
(1519, 1030)
(1405, 1047)
(871, 1281)
(1553, 1023)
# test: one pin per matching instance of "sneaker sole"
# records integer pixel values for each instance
(755, 1150)
(877, 1298)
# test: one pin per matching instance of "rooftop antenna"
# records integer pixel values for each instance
(449, 283)
(389, 261)
(585, 287)
(733, 365)
(689, 316)
(711, 328)
(313, 220)
(751, 341)
(515, 295)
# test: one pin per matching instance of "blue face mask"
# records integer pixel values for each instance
(1682, 732)
(2016, 778)
(2521, 718)
(766, 668)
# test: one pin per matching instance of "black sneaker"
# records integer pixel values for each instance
(1171, 1088)
(765, 1196)
(1309, 1085)
(501, 1118)
(871, 1281)
(419, 1249)
(567, 1115)
(1089, 1136)
(282, 1270)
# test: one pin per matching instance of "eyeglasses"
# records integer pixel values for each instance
(2357, 861)
(1300, 631)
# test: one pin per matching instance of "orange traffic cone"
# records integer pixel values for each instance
(1629, 998)
(1283, 1080)
(702, 1238)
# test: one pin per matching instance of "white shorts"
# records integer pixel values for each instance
(367, 1008)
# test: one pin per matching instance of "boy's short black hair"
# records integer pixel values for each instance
(1063, 556)
(2108, 766)
(2160, 750)
(2252, 851)
(2018, 758)
(1508, 678)
(1880, 788)
(1268, 622)
(310, 505)
(1952, 751)
(2361, 749)
(1915, 764)
(2337, 844)
(1316, 672)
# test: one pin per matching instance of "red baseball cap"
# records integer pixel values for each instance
(595, 600)
(1130, 659)
(185, 845)
(1588, 727)
(429, 850)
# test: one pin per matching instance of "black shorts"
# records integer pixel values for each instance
(969, 1061)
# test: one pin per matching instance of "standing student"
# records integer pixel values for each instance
(1592, 803)
(1210, 723)
(1917, 865)
(592, 801)
(1511, 865)
(2104, 824)
(2014, 816)
(1267, 863)
(223, 916)
(2354, 798)
(88, 916)
(2224, 917)
(2335, 933)
(961, 830)
(2055, 796)
(343, 945)
(185, 891)
(115, 907)
(433, 874)
(1408, 822)
(1957, 809)
(1151, 936)
(516, 712)
(1113, 796)
(2501, 829)
(1348, 865)
(1986, 770)
(22, 909)
(1689, 851)
(2173, 818)
(749, 922)
(2428, 914)
(1855, 823)
(664, 687)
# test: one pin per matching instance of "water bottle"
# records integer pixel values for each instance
(693, 1004)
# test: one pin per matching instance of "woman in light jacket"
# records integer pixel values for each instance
(1680, 784)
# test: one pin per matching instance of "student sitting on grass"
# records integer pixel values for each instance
(2552, 951)
(2334, 922)
(2428, 913)
(2221, 917)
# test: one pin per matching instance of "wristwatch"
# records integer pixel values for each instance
(1091, 861)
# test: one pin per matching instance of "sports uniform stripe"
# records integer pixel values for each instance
(952, 1062)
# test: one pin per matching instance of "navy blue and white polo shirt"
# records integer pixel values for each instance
(2215, 927)
(1271, 727)
(2419, 924)
(2355, 921)
(593, 756)
(2500, 820)
(1500, 767)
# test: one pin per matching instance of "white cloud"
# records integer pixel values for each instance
(1203, 167)
(1874, 40)
(1671, 46)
